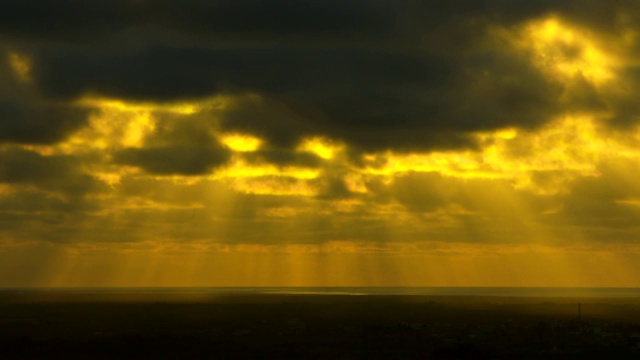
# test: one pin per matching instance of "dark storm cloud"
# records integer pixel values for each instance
(270, 120)
(283, 157)
(412, 75)
(169, 160)
(168, 73)
(331, 187)
(65, 19)
(26, 118)
(422, 192)
(34, 123)
(623, 106)
(178, 145)
(184, 130)
(371, 99)
(609, 201)
(251, 19)
(350, 20)
(55, 173)
(29, 205)
(277, 18)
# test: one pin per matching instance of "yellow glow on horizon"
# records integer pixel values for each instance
(241, 142)
(21, 66)
(569, 51)
(337, 263)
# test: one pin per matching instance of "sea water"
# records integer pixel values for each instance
(582, 292)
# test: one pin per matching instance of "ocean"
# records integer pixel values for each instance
(555, 292)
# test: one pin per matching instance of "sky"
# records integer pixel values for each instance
(319, 143)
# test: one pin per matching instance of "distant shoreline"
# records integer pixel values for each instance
(608, 292)
(630, 296)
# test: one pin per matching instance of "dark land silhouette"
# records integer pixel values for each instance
(69, 325)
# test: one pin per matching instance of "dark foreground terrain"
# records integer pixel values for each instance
(102, 326)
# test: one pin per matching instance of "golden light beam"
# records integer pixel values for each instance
(162, 263)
